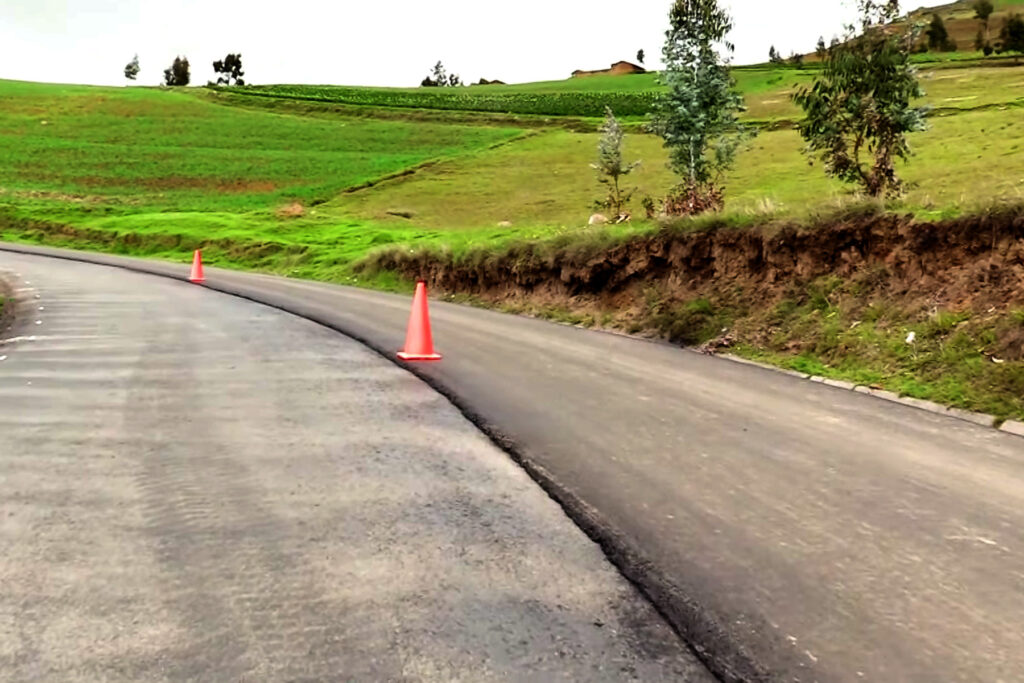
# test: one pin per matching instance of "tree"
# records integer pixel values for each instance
(773, 56)
(938, 36)
(131, 69)
(698, 115)
(177, 73)
(439, 78)
(858, 111)
(820, 50)
(796, 60)
(983, 9)
(610, 167)
(1011, 38)
(229, 70)
(640, 56)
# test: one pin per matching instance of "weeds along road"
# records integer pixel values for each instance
(787, 529)
(197, 487)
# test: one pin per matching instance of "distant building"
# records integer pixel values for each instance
(616, 69)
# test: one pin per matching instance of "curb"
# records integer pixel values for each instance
(981, 419)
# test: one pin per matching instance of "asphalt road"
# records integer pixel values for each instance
(789, 530)
(197, 487)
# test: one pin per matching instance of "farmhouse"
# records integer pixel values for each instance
(616, 69)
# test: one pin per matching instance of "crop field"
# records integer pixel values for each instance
(483, 99)
(767, 91)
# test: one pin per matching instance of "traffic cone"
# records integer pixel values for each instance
(419, 343)
(197, 268)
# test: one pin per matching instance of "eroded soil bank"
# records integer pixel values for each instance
(930, 309)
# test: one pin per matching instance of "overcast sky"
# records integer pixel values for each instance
(374, 42)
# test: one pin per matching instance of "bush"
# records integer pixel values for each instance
(693, 200)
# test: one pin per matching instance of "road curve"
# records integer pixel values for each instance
(196, 487)
(789, 530)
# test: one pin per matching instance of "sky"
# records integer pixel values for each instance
(376, 42)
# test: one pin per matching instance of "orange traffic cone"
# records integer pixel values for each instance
(419, 343)
(197, 268)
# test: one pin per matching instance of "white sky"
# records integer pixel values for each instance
(375, 42)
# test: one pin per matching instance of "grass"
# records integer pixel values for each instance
(975, 82)
(173, 166)
(954, 358)
(158, 173)
(145, 148)
(962, 162)
(166, 168)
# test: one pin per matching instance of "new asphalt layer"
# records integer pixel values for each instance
(197, 487)
(787, 529)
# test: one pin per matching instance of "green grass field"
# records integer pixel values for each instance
(172, 164)
(309, 188)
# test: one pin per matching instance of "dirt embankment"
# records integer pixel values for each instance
(930, 310)
(973, 263)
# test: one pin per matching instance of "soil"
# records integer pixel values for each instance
(973, 263)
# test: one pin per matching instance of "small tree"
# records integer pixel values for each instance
(796, 60)
(938, 36)
(439, 78)
(773, 56)
(177, 73)
(821, 49)
(640, 56)
(1011, 38)
(860, 104)
(131, 69)
(229, 70)
(610, 167)
(698, 115)
(983, 9)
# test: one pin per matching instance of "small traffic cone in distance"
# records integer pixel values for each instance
(197, 268)
(419, 342)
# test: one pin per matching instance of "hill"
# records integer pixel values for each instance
(339, 183)
(960, 21)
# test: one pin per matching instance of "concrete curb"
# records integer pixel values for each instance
(980, 419)
(1012, 427)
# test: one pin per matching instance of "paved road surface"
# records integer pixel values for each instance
(789, 529)
(196, 487)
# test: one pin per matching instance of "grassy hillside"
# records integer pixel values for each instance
(171, 169)
(310, 187)
(172, 164)
(960, 21)
(979, 83)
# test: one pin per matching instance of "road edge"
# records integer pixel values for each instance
(1011, 427)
